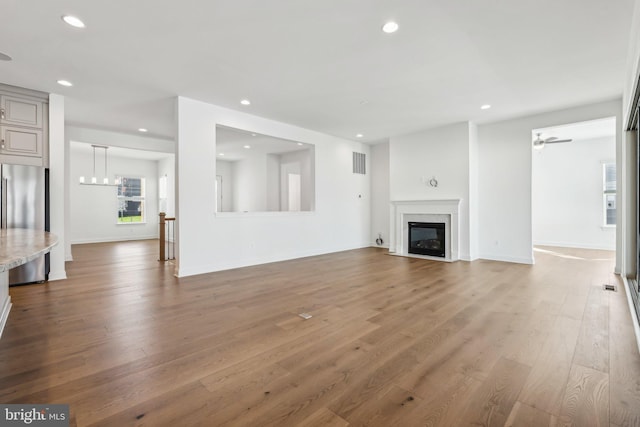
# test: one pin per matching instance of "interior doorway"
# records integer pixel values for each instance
(138, 185)
(574, 185)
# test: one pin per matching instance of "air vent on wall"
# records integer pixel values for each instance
(359, 163)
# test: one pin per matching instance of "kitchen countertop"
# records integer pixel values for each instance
(19, 246)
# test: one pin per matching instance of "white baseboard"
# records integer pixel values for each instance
(375, 245)
(112, 239)
(4, 315)
(506, 258)
(57, 276)
(184, 271)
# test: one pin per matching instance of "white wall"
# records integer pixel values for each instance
(567, 194)
(380, 193)
(94, 209)
(504, 169)
(209, 242)
(443, 153)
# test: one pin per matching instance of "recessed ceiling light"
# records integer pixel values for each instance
(74, 21)
(247, 146)
(4, 57)
(221, 154)
(359, 135)
(253, 134)
(66, 83)
(485, 107)
(143, 130)
(390, 27)
(245, 102)
(300, 143)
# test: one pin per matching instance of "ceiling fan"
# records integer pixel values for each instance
(539, 143)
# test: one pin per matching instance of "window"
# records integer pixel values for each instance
(609, 193)
(130, 200)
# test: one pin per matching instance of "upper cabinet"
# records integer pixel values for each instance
(20, 111)
(21, 141)
(24, 126)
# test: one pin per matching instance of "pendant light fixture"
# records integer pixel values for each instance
(94, 179)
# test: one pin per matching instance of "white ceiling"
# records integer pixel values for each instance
(322, 65)
(580, 131)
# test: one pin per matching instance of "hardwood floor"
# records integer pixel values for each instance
(393, 341)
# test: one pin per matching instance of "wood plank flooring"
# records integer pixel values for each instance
(393, 341)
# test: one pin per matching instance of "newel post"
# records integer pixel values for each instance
(162, 236)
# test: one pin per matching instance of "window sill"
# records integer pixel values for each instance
(605, 227)
(131, 223)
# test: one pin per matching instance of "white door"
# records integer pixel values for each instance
(294, 191)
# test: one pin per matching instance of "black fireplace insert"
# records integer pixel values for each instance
(427, 238)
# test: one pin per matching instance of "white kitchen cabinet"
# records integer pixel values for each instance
(20, 111)
(24, 126)
(20, 141)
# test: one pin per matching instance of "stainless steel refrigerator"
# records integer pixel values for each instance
(24, 203)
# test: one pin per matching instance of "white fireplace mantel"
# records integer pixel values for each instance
(405, 211)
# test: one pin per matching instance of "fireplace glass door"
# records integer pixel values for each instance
(427, 238)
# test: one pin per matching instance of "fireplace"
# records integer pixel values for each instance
(427, 238)
(443, 211)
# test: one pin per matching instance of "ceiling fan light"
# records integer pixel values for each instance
(538, 145)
